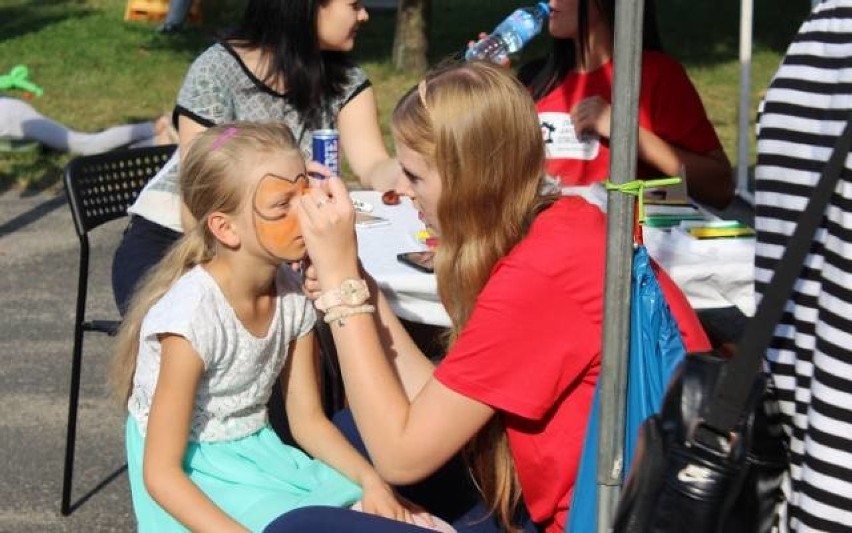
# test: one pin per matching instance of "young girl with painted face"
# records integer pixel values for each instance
(207, 335)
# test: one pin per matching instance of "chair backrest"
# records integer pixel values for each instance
(101, 187)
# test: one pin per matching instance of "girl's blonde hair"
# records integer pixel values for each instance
(212, 179)
(479, 128)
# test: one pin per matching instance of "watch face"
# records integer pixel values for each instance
(351, 292)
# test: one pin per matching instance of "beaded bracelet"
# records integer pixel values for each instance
(340, 312)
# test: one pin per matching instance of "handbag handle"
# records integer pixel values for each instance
(721, 414)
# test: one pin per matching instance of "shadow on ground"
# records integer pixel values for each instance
(21, 18)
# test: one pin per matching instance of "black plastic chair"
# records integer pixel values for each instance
(99, 189)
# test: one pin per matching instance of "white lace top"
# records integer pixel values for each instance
(240, 369)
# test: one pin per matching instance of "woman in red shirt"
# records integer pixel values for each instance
(572, 88)
(521, 274)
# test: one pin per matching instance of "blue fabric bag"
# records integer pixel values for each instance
(656, 348)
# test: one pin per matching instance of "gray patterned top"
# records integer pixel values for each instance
(220, 88)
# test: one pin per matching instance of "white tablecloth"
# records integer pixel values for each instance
(711, 273)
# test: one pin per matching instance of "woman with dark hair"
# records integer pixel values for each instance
(572, 87)
(287, 62)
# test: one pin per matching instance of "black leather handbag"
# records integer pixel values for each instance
(685, 479)
(710, 462)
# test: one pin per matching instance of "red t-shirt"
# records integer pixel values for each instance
(532, 348)
(669, 106)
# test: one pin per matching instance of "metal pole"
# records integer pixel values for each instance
(743, 130)
(627, 59)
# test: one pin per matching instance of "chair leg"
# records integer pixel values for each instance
(76, 364)
(71, 435)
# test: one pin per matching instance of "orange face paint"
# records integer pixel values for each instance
(275, 222)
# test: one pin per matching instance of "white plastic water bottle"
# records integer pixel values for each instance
(510, 35)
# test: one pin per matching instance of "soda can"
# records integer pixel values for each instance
(325, 149)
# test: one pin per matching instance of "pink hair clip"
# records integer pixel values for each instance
(222, 138)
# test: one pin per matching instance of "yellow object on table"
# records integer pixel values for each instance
(425, 236)
(156, 10)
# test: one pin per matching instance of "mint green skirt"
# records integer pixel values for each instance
(254, 480)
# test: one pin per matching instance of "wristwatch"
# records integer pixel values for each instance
(351, 292)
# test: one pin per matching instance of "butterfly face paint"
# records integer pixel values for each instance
(275, 222)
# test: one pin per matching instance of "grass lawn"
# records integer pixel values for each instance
(98, 70)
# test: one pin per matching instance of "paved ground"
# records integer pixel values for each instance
(38, 259)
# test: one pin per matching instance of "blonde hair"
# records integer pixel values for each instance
(479, 128)
(212, 179)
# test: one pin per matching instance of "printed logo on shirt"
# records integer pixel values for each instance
(560, 141)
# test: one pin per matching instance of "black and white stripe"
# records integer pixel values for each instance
(805, 109)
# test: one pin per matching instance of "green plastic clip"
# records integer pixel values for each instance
(637, 188)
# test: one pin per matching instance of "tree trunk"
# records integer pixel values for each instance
(411, 41)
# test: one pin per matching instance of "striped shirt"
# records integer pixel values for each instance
(805, 109)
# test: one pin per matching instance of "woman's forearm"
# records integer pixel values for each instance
(375, 394)
(708, 176)
(412, 367)
(382, 176)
